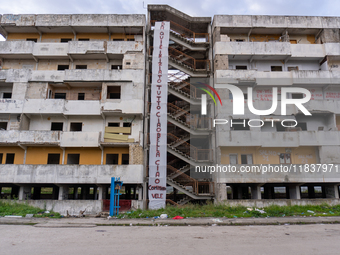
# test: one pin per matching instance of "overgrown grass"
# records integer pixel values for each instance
(210, 210)
(21, 209)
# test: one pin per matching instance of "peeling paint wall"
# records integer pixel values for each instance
(18, 157)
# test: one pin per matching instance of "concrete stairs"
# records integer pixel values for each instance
(186, 191)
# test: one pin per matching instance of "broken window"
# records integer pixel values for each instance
(32, 39)
(53, 159)
(127, 124)
(276, 68)
(60, 96)
(113, 92)
(233, 159)
(246, 159)
(81, 66)
(73, 159)
(81, 96)
(113, 124)
(240, 124)
(111, 159)
(116, 67)
(10, 158)
(3, 125)
(63, 67)
(7, 95)
(241, 67)
(125, 159)
(57, 126)
(76, 126)
(65, 40)
(285, 158)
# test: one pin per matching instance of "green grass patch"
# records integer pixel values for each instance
(211, 210)
(21, 209)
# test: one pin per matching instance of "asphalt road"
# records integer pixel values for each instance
(208, 240)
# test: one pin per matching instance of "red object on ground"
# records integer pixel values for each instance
(177, 218)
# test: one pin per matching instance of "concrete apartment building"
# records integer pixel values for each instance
(75, 95)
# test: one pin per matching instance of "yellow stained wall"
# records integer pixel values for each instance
(56, 37)
(263, 38)
(52, 64)
(18, 157)
(39, 155)
(303, 39)
(119, 151)
(88, 156)
(300, 155)
(17, 64)
(22, 36)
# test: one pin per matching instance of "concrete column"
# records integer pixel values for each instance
(25, 193)
(294, 192)
(63, 192)
(332, 191)
(221, 192)
(140, 193)
(75, 192)
(256, 191)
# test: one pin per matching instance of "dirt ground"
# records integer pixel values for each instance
(281, 239)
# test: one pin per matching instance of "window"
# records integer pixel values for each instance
(276, 68)
(53, 159)
(128, 63)
(297, 95)
(285, 158)
(292, 68)
(65, 40)
(117, 39)
(10, 158)
(125, 159)
(7, 95)
(76, 126)
(302, 125)
(81, 96)
(81, 66)
(73, 159)
(111, 159)
(113, 92)
(60, 96)
(127, 124)
(240, 124)
(130, 39)
(84, 39)
(246, 159)
(63, 67)
(57, 126)
(233, 159)
(239, 40)
(32, 39)
(3, 125)
(241, 67)
(117, 67)
(113, 124)
(1, 156)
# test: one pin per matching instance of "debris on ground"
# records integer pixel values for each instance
(29, 216)
(217, 220)
(260, 211)
(309, 211)
(163, 216)
(178, 217)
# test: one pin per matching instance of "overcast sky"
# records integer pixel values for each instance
(191, 7)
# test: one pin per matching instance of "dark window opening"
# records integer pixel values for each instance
(128, 63)
(7, 95)
(117, 39)
(116, 67)
(10, 158)
(81, 66)
(241, 67)
(81, 96)
(111, 159)
(3, 125)
(113, 92)
(65, 40)
(57, 126)
(245, 96)
(302, 125)
(127, 124)
(131, 39)
(63, 67)
(276, 68)
(297, 95)
(1, 156)
(76, 126)
(239, 40)
(73, 159)
(125, 159)
(83, 39)
(53, 159)
(113, 124)
(240, 124)
(279, 127)
(246, 159)
(60, 96)
(32, 39)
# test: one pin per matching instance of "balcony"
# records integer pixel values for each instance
(11, 106)
(44, 106)
(135, 106)
(82, 107)
(80, 139)
(30, 137)
(16, 49)
(70, 174)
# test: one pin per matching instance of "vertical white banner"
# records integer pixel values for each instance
(158, 117)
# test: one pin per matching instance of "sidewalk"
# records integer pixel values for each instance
(93, 222)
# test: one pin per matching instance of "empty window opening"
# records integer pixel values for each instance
(65, 40)
(113, 124)
(81, 96)
(285, 158)
(7, 95)
(239, 40)
(73, 159)
(84, 39)
(117, 39)
(128, 63)
(60, 96)
(32, 39)
(81, 66)
(63, 67)
(241, 67)
(276, 68)
(57, 126)
(113, 92)
(3, 125)
(246, 159)
(53, 159)
(1, 156)
(116, 67)
(125, 159)
(127, 124)
(302, 126)
(76, 126)
(10, 158)
(233, 159)
(111, 159)
(298, 95)
(130, 39)
(240, 124)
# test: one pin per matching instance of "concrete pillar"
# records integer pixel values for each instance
(25, 193)
(294, 191)
(100, 192)
(332, 191)
(75, 192)
(256, 191)
(63, 192)
(311, 191)
(221, 192)
(140, 193)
